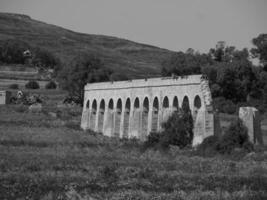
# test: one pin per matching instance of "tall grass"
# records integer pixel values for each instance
(43, 158)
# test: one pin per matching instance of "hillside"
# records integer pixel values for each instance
(121, 55)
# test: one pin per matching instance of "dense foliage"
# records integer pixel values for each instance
(32, 85)
(82, 70)
(51, 85)
(11, 51)
(236, 136)
(177, 130)
(232, 75)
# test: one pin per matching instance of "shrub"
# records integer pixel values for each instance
(236, 135)
(153, 139)
(177, 130)
(208, 146)
(32, 85)
(51, 85)
(14, 86)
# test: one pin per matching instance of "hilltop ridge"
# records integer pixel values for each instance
(120, 55)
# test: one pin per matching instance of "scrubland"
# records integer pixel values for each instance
(43, 156)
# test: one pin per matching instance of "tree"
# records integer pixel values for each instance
(12, 51)
(261, 49)
(82, 70)
(185, 63)
(44, 59)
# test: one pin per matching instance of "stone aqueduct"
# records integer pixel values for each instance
(134, 108)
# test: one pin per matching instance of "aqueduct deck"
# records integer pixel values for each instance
(134, 108)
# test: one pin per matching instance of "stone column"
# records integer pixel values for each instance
(131, 119)
(105, 122)
(149, 121)
(122, 121)
(96, 117)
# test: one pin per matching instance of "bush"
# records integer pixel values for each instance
(32, 85)
(14, 86)
(208, 146)
(236, 136)
(177, 130)
(51, 85)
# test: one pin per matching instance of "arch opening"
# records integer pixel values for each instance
(118, 118)
(197, 106)
(111, 104)
(145, 119)
(154, 125)
(185, 104)
(126, 118)
(165, 102)
(136, 103)
(109, 121)
(87, 104)
(101, 115)
(175, 104)
(93, 115)
(197, 102)
(137, 117)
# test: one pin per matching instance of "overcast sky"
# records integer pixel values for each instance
(172, 24)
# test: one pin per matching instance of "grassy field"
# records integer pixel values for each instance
(43, 156)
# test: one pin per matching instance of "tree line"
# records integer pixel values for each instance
(234, 79)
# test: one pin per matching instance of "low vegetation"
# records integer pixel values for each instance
(177, 131)
(235, 138)
(46, 156)
(51, 85)
(32, 85)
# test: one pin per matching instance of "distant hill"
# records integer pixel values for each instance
(123, 56)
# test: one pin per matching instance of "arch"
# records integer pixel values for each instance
(146, 105)
(175, 104)
(136, 103)
(156, 104)
(196, 107)
(145, 119)
(185, 104)
(93, 115)
(109, 119)
(165, 103)
(118, 118)
(126, 118)
(155, 110)
(101, 115)
(197, 102)
(87, 104)
(111, 104)
(165, 109)
(136, 125)
(94, 106)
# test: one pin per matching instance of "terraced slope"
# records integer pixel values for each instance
(124, 56)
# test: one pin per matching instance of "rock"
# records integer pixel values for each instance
(35, 108)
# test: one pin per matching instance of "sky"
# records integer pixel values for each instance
(172, 24)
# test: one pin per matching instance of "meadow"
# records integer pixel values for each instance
(43, 156)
